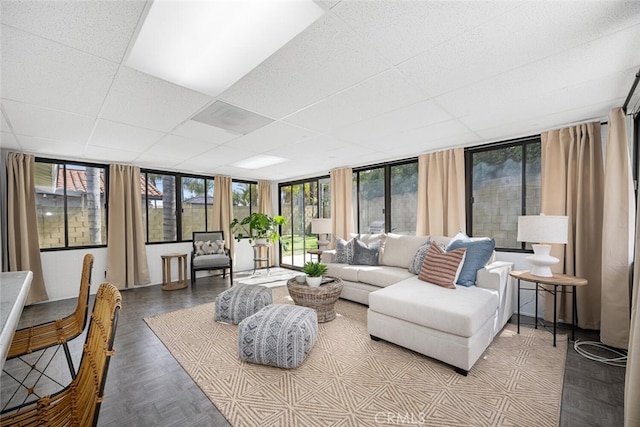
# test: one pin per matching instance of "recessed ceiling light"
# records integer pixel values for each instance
(259, 161)
(209, 45)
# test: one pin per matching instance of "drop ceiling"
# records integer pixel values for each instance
(368, 82)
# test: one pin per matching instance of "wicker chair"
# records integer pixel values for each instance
(202, 259)
(59, 331)
(78, 404)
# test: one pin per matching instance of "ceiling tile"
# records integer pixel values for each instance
(4, 125)
(124, 137)
(415, 25)
(32, 120)
(403, 119)
(385, 92)
(219, 156)
(145, 101)
(102, 28)
(201, 132)
(63, 150)
(8, 141)
(173, 149)
(38, 71)
(270, 137)
(119, 155)
(322, 60)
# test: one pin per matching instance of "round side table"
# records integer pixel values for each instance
(322, 298)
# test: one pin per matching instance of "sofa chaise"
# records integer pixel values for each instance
(454, 325)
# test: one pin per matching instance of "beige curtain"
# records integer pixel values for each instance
(441, 192)
(126, 252)
(223, 208)
(617, 235)
(341, 181)
(265, 205)
(632, 375)
(22, 233)
(573, 184)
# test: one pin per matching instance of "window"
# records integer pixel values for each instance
(159, 198)
(404, 198)
(197, 198)
(300, 202)
(245, 198)
(385, 198)
(504, 182)
(70, 204)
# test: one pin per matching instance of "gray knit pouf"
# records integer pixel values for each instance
(241, 301)
(278, 335)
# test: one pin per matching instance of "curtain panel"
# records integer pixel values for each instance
(22, 228)
(441, 193)
(223, 208)
(126, 252)
(632, 374)
(572, 184)
(341, 181)
(617, 235)
(265, 205)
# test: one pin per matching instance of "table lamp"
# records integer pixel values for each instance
(322, 227)
(543, 230)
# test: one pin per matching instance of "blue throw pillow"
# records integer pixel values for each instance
(478, 254)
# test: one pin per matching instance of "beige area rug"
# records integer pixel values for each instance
(350, 380)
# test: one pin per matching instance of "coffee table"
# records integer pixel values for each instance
(322, 298)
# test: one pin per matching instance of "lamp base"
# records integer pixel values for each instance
(541, 261)
(323, 245)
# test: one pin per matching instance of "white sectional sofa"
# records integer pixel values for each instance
(451, 325)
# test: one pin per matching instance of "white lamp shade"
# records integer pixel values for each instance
(321, 226)
(543, 228)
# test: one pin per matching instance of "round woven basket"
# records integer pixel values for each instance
(322, 298)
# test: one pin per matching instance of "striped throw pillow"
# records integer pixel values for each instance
(442, 268)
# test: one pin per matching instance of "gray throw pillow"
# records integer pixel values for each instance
(344, 251)
(418, 258)
(364, 254)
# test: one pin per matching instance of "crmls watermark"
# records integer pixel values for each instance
(396, 418)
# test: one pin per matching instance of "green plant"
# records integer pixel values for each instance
(258, 226)
(314, 269)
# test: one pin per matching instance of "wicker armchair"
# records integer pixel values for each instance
(78, 404)
(59, 331)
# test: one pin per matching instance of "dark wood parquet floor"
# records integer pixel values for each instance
(147, 387)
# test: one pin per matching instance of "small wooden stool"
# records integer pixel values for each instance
(181, 283)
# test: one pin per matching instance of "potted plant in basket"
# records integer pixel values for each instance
(314, 272)
(258, 227)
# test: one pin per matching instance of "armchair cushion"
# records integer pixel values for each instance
(214, 260)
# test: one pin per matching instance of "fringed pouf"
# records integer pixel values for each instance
(278, 335)
(241, 301)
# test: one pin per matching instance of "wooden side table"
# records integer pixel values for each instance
(557, 281)
(181, 283)
(316, 252)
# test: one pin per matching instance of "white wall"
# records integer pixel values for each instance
(527, 297)
(62, 269)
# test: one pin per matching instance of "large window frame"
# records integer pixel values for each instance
(526, 143)
(388, 226)
(65, 194)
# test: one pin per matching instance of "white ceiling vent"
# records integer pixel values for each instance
(233, 119)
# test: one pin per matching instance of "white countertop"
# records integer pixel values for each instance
(14, 288)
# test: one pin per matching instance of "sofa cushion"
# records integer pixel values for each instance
(364, 254)
(477, 255)
(460, 313)
(343, 271)
(382, 276)
(442, 268)
(344, 251)
(399, 250)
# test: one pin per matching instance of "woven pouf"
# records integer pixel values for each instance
(241, 301)
(278, 335)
